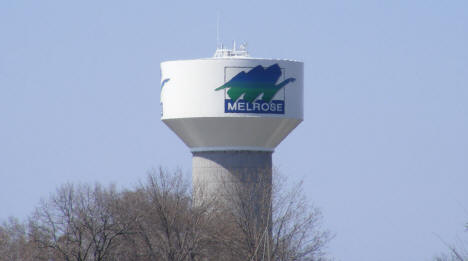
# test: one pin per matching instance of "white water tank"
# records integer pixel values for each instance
(232, 102)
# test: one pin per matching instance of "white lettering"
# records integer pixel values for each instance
(248, 106)
(256, 106)
(232, 106)
(272, 106)
(241, 106)
(280, 107)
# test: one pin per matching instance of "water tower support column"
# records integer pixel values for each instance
(233, 174)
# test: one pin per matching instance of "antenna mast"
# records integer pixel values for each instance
(217, 30)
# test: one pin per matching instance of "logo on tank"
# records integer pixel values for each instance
(254, 90)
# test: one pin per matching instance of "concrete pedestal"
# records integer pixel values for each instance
(229, 176)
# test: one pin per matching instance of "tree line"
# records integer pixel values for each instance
(160, 220)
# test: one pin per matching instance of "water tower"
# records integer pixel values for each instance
(231, 110)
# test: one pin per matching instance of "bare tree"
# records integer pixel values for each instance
(158, 220)
(13, 241)
(271, 222)
(169, 227)
(79, 223)
(450, 257)
(16, 244)
(457, 251)
(12, 237)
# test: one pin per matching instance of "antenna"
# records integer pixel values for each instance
(217, 30)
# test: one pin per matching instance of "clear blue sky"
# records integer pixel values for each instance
(383, 148)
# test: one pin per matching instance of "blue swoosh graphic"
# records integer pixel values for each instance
(164, 82)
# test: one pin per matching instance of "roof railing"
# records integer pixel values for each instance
(222, 52)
